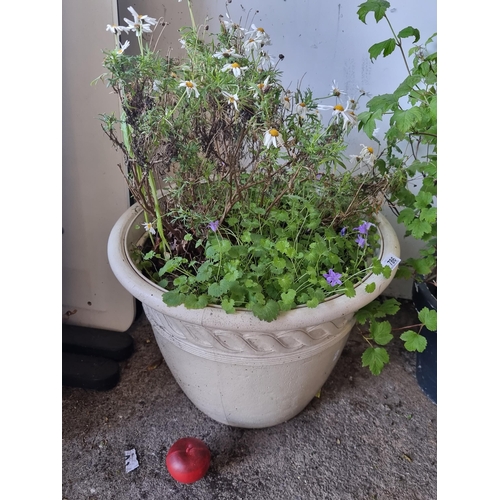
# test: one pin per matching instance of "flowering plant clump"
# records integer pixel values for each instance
(248, 198)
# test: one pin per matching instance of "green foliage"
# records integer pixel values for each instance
(414, 341)
(410, 152)
(375, 358)
(409, 157)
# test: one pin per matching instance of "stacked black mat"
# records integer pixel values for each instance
(90, 356)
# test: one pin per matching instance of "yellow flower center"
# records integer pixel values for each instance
(303, 104)
(274, 132)
(235, 65)
(260, 85)
(261, 30)
(338, 107)
(370, 149)
(287, 99)
(189, 84)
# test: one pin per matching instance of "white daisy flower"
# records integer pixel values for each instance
(251, 45)
(117, 29)
(265, 61)
(123, 47)
(363, 92)
(231, 99)
(148, 227)
(182, 42)
(225, 53)
(272, 136)
(260, 34)
(141, 18)
(366, 156)
(336, 92)
(235, 68)
(261, 87)
(232, 27)
(190, 87)
(339, 112)
(301, 109)
(287, 102)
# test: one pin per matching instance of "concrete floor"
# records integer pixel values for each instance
(366, 437)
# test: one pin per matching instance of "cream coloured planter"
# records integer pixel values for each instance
(235, 368)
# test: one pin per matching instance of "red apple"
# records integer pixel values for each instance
(188, 460)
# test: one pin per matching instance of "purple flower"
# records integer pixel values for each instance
(363, 228)
(214, 225)
(332, 277)
(343, 231)
(360, 241)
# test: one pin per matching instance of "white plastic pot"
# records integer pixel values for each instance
(237, 369)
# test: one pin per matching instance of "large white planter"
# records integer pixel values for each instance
(235, 368)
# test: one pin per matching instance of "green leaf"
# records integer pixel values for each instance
(149, 255)
(370, 288)
(289, 296)
(171, 265)
(389, 307)
(228, 305)
(204, 272)
(423, 199)
(188, 237)
(349, 289)
(406, 216)
(407, 85)
(173, 299)
(414, 341)
(180, 280)
(382, 103)
(409, 31)
(218, 289)
(375, 358)
(282, 245)
(406, 119)
(386, 272)
(312, 303)
(387, 47)
(381, 332)
(267, 312)
(429, 318)
(378, 7)
(193, 301)
(429, 214)
(419, 228)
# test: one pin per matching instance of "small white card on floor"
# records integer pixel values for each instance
(131, 462)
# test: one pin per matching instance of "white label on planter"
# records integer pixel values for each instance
(391, 260)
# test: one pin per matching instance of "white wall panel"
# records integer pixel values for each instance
(94, 193)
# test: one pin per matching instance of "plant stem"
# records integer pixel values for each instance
(165, 246)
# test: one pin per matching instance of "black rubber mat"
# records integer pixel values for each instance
(90, 356)
(94, 342)
(89, 372)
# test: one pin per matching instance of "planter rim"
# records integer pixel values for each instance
(214, 316)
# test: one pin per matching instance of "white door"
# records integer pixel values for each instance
(94, 193)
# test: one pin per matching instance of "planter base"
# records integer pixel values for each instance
(246, 379)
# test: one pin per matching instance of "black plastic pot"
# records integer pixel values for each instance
(425, 295)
